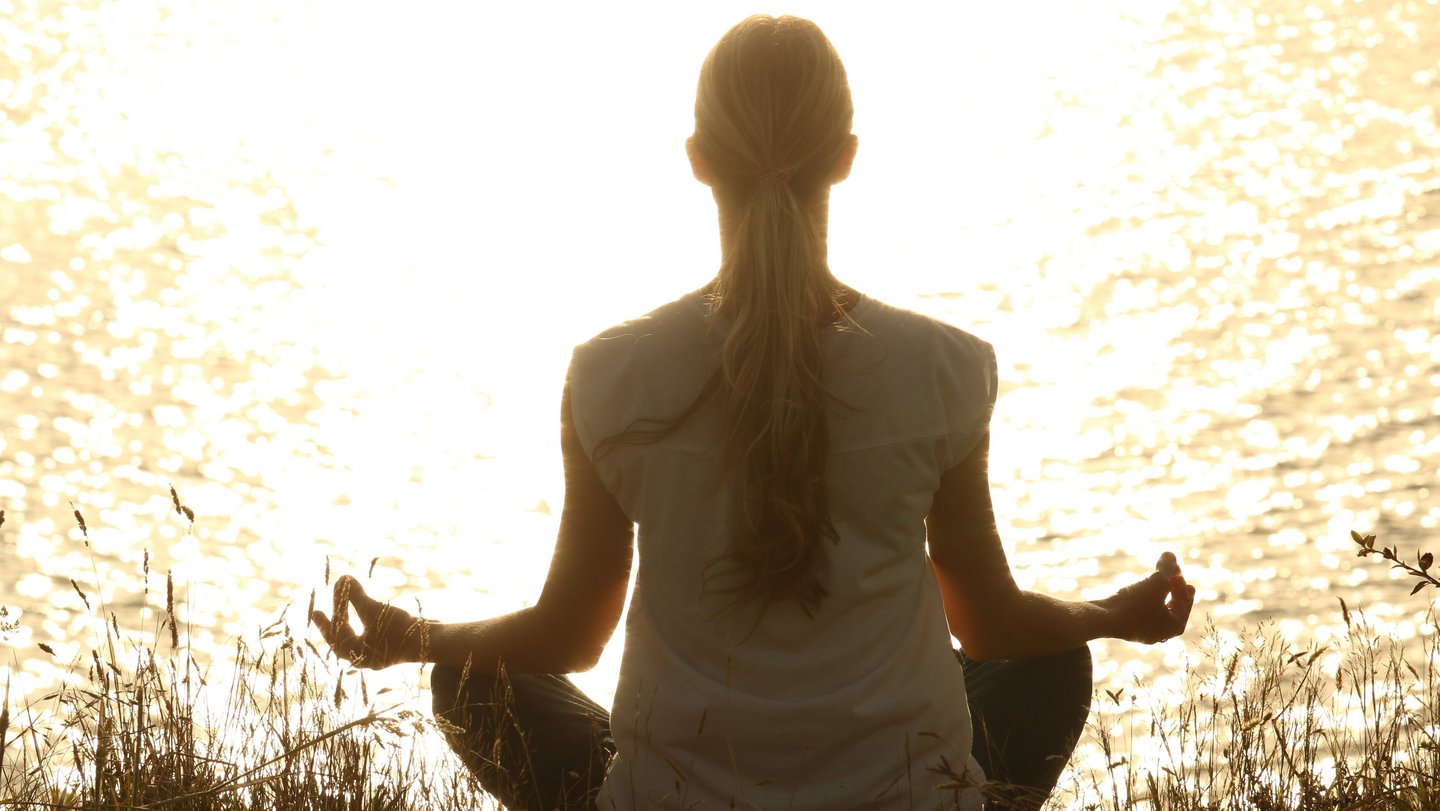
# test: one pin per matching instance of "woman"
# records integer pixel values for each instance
(788, 449)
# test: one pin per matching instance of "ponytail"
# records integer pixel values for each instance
(773, 117)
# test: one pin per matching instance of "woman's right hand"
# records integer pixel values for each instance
(390, 635)
(1154, 609)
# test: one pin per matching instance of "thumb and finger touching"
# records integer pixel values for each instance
(1182, 594)
(336, 629)
(1168, 565)
(1160, 604)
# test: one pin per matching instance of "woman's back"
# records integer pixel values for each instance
(771, 706)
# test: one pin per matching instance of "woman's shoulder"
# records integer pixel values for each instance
(684, 313)
(898, 323)
(666, 337)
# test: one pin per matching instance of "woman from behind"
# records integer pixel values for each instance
(789, 450)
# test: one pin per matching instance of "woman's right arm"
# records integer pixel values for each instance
(994, 619)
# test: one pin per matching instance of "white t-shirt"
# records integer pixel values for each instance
(863, 705)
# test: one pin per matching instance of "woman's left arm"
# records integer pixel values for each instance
(564, 632)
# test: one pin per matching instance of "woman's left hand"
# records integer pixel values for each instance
(1154, 609)
(389, 635)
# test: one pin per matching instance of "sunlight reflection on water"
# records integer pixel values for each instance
(331, 300)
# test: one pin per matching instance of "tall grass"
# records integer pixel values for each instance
(1261, 725)
(284, 726)
(280, 724)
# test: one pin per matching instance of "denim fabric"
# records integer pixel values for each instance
(1027, 715)
(534, 741)
(537, 743)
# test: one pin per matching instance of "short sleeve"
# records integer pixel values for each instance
(611, 378)
(968, 382)
(600, 384)
(582, 389)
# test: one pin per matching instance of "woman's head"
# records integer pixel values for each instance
(773, 105)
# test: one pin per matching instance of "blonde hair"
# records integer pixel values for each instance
(772, 120)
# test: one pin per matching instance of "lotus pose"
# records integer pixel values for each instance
(806, 467)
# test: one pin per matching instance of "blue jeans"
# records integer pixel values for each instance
(537, 743)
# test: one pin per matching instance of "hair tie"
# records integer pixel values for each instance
(771, 174)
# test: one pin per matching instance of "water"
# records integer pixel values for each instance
(319, 267)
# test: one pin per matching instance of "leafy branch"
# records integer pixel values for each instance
(1421, 569)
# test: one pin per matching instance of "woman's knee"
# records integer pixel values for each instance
(1078, 658)
(444, 689)
(449, 692)
(1078, 666)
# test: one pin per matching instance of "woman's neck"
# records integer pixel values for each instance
(728, 213)
(846, 297)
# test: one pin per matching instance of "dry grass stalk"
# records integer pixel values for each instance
(1262, 726)
(148, 732)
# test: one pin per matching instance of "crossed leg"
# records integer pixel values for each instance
(537, 743)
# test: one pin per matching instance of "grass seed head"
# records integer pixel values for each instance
(170, 608)
(80, 519)
(81, 593)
